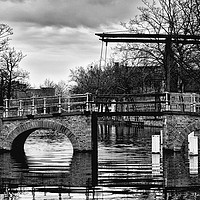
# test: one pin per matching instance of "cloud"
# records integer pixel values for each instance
(70, 13)
(51, 38)
(59, 35)
(54, 48)
(15, 1)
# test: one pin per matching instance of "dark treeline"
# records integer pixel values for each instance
(117, 78)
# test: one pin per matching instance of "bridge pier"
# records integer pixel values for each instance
(177, 128)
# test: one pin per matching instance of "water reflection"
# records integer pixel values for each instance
(193, 164)
(16, 171)
(126, 165)
(127, 168)
(182, 180)
(156, 164)
(47, 167)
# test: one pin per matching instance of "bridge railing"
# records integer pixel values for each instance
(184, 102)
(153, 102)
(130, 103)
(46, 105)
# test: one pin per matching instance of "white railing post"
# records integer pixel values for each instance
(113, 105)
(59, 104)
(87, 101)
(167, 108)
(33, 106)
(6, 109)
(194, 103)
(68, 104)
(20, 107)
(44, 105)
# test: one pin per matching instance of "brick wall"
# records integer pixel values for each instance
(177, 128)
(77, 128)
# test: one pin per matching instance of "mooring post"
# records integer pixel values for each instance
(155, 143)
(192, 144)
(94, 129)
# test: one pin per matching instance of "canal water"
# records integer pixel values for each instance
(125, 168)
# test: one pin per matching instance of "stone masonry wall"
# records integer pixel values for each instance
(77, 128)
(177, 128)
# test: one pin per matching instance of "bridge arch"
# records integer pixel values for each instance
(16, 138)
(183, 134)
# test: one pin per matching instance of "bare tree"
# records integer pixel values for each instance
(11, 73)
(5, 32)
(48, 83)
(171, 18)
(62, 88)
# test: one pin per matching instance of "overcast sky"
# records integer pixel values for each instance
(59, 35)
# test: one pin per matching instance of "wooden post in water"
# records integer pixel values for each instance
(192, 144)
(94, 130)
(156, 144)
(193, 153)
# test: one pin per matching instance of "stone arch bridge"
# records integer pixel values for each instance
(76, 117)
(76, 127)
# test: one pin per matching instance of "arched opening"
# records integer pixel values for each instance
(17, 138)
(46, 150)
(46, 134)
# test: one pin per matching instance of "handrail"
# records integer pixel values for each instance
(184, 102)
(45, 105)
